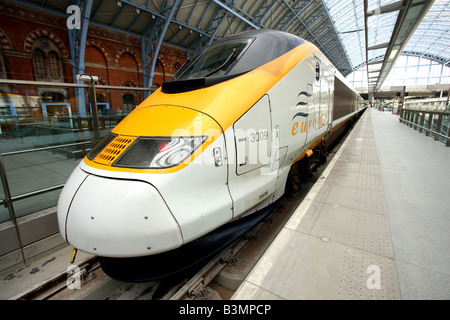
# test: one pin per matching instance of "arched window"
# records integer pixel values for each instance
(128, 98)
(100, 97)
(160, 71)
(3, 74)
(39, 63)
(47, 60)
(54, 65)
(129, 102)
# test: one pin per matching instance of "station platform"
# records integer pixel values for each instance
(374, 226)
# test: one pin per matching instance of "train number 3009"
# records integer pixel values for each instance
(259, 136)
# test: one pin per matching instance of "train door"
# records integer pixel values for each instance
(312, 122)
(308, 109)
(253, 175)
(319, 106)
(300, 86)
(324, 105)
(330, 101)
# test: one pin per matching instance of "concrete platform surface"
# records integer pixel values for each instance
(375, 225)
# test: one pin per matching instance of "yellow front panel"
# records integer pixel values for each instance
(157, 121)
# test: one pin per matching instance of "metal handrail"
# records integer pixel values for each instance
(411, 118)
(44, 190)
(426, 129)
(443, 112)
(45, 148)
(33, 193)
(11, 198)
(45, 84)
(7, 203)
(71, 85)
(152, 88)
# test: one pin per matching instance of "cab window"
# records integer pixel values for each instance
(214, 61)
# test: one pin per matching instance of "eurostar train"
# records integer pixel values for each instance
(214, 144)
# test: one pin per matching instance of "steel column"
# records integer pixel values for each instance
(77, 41)
(160, 40)
(235, 13)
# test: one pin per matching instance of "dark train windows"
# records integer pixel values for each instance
(317, 71)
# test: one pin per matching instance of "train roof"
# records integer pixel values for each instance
(266, 46)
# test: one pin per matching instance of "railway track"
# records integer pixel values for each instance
(86, 280)
(197, 287)
(83, 272)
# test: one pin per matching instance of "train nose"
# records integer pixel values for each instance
(116, 218)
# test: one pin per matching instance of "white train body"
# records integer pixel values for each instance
(114, 211)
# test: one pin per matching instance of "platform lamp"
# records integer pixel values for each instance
(92, 81)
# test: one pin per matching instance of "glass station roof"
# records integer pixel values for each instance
(348, 19)
(337, 27)
(431, 39)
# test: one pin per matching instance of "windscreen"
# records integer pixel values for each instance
(214, 61)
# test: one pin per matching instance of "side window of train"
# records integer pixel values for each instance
(317, 71)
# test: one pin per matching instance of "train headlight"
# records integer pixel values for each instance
(158, 152)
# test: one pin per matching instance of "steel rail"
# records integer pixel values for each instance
(196, 287)
(57, 283)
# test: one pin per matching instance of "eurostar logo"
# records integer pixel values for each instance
(303, 93)
(301, 114)
(302, 103)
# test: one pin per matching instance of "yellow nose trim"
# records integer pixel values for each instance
(113, 151)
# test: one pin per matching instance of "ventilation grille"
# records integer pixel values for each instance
(114, 150)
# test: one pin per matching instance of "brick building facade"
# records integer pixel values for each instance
(35, 46)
